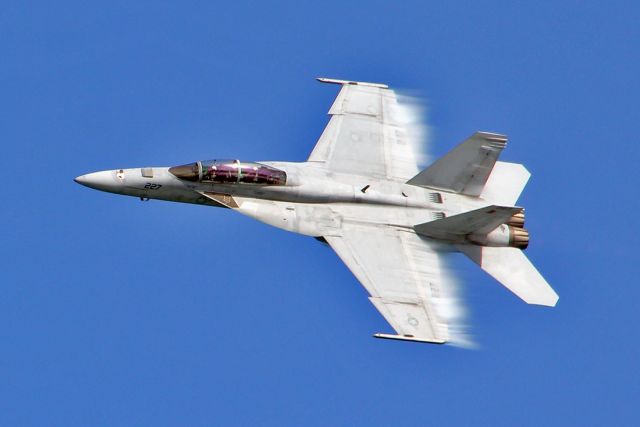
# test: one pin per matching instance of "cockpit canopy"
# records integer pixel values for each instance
(230, 172)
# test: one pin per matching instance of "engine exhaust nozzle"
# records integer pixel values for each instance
(517, 220)
(518, 237)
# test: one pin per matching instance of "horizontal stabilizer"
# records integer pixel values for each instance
(466, 168)
(506, 182)
(514, 271)
(481, 220)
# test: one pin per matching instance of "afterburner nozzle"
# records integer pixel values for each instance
(518, 237)
(517, 220)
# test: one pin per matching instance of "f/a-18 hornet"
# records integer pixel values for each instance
(361, 192)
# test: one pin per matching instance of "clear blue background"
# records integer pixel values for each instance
(117, 312)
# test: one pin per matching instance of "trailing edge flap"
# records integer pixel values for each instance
(481, 220)
(466, 168)
(514, 271)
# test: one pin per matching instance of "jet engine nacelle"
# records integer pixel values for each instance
(503, 235)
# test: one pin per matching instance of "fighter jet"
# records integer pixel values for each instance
(361, 192)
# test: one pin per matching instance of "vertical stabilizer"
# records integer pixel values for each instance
(466, 168)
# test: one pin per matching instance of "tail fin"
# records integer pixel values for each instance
(466, 168)
(455, 227)
(513, 270)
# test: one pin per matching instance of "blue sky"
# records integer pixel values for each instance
(117, 312)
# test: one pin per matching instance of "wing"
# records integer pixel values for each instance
(365, 135)
(403, 274)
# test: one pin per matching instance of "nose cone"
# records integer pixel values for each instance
(80, 179)
(103, 180)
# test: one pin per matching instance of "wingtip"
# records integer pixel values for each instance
(546, 302)
(350, 82)
(408, 338)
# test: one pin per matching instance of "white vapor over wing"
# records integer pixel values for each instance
(451, 305)
(430, 263)
(412, 115)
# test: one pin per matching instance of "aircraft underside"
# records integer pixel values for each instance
(361, 192)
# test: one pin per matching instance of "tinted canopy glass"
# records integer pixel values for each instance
(230, 172)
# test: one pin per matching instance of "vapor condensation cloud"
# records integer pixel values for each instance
(412, 114)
